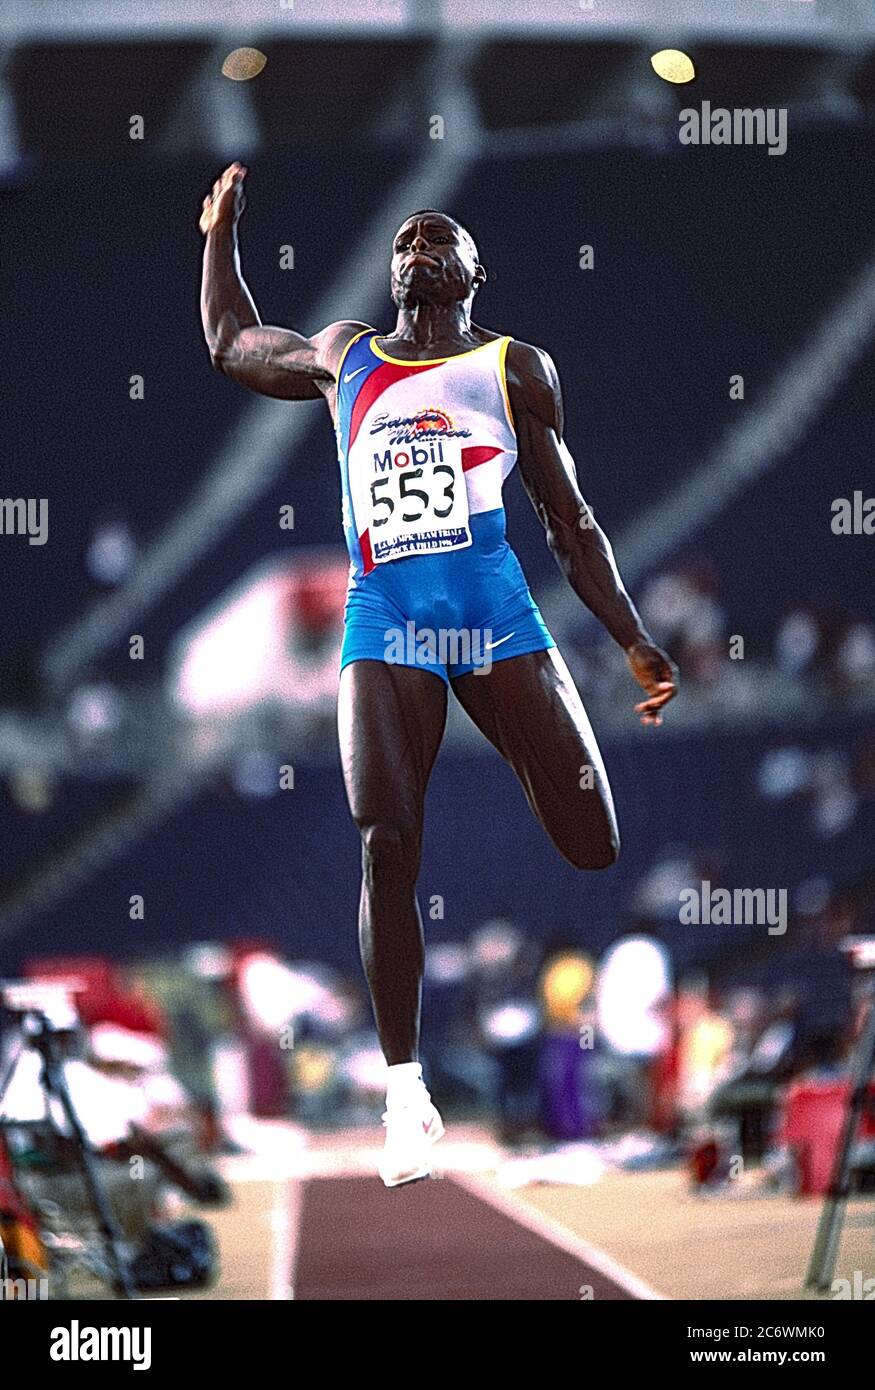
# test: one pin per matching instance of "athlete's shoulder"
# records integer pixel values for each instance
(332, 342)
(529, 362)
(533, 382)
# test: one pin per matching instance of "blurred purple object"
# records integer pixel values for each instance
(568, 1104)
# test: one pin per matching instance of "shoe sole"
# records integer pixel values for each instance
(421, 1173)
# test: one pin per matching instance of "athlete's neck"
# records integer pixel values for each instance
(435, 325)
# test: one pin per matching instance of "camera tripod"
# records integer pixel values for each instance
(19, 1004)
(829, 1230)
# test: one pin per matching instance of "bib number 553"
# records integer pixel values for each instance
(407, 492)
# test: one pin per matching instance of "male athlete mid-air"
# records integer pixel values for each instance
(430, 420)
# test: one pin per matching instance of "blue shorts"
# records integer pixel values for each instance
(450, 613)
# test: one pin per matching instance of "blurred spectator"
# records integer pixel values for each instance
(503, 963)
(751, 1093)
(683, 612)
(569, 1102)
(823, 778)
(705, 1047)
(797, 641)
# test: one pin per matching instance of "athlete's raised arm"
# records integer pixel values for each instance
(273, 361)
(580, 546)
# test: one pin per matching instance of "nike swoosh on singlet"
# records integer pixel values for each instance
(348, 376)
(490, 645)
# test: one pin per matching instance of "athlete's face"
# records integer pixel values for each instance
(434, 261)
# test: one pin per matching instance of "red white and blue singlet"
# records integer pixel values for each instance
(424, 449)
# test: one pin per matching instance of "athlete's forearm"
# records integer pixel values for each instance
(583, 553)
(226, 304)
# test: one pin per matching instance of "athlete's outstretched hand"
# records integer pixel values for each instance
(657, 676)
(227, 200)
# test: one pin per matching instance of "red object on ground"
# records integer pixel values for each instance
(811, 1124)
(105, 998)
(12, 1204)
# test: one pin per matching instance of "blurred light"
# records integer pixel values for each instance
(95, 709)
(446, 963)
(856, 654)
(273, 636)
(31, 788)
(365, 1068)
(111, 553)
(860, 950)
(273, 993)
(634, 982)
(255, 773)
(510, 1023)
(495, 946)
(314, 1068)
(109, 1042)
(106, 1107)
(812, 896)
(796, 642)
(657, 893)
(784, 772)
(565, 983)
(209, 961)
(225, 664)
(834, 810)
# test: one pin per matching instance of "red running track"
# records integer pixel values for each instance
(430, 1240)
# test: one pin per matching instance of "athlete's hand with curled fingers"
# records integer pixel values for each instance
(656, 674)
(226, 201)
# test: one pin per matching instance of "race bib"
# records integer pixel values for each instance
(417, 501)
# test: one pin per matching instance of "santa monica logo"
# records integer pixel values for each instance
(741, 907)
(425, 424)
(740, 126)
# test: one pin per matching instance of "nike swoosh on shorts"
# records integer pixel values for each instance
(490, 645)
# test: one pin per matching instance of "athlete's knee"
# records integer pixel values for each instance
(389, 850)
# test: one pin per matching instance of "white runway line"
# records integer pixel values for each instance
(283, 1220)
(558, 1235)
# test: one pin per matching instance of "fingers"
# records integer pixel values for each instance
(234, 173)
(649, 708)
(662, 693)
(232, 178)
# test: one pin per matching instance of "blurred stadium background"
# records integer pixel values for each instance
(158, 773)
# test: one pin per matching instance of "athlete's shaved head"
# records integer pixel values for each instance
(434, 260)
(436, 212)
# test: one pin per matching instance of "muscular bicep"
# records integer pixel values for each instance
(272, 361)
(282, 363)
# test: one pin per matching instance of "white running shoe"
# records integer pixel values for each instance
(411, 1130)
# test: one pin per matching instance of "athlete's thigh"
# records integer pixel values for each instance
(529, 708)
(390, 722)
